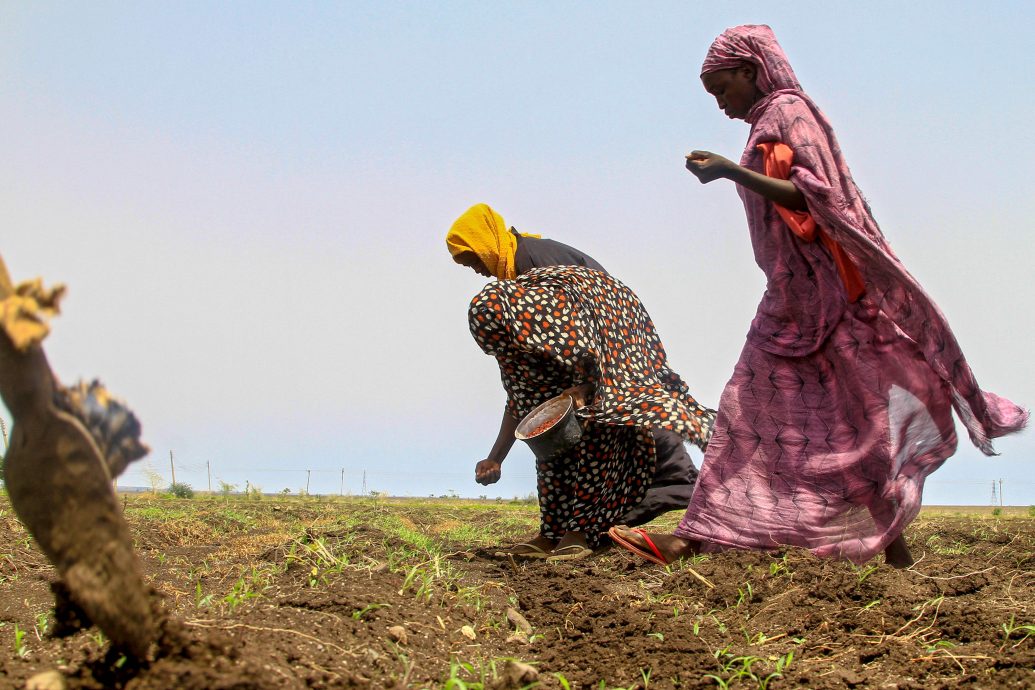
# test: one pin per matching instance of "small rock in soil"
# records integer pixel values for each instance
(468, 632)
(518, 621)
(517, 638)
(48, 680)
(516, 675)
(397, 633)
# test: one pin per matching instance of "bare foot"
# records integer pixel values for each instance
(897, 554)
(668, 546)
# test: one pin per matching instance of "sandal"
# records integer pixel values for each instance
(571, 552)
(522, 550)
(655, 557)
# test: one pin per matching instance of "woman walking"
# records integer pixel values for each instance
(840, 404)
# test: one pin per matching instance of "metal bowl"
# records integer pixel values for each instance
(557, 437)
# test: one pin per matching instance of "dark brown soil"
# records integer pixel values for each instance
(308, 594)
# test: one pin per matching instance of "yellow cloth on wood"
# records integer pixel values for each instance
(482, 232)
(26, 309)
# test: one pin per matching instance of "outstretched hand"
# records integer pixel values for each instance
(487, 472)
(708, 166)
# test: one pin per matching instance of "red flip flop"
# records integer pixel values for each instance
(655, 557)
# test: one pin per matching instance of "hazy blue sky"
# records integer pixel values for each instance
(248, 202)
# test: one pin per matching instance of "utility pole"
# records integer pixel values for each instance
(208, 466)
(364, 482)
(1000, 493)
(341, 492)
(172, 467)
(307, 482)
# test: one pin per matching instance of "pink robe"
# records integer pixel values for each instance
(836, 411)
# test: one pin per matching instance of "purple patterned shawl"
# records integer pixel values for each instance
(838, 206)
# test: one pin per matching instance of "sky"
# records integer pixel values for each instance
(248, 202)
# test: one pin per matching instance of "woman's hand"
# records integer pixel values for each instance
(708, 166)
(581, 394)
(488, 472)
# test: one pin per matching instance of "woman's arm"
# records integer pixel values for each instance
(489, 470)
(707, 166)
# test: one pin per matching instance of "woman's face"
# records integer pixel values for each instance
(734, 90)
(473, 262)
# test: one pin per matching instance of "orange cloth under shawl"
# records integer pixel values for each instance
(777, 159)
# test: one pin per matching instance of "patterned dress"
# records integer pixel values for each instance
(553, 328)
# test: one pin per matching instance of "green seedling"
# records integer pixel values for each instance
(241, 592)
(20, 648)
(939, 644)
(744, 594)
(735, 670)
(865, 572)
(358, 614)
(1009, 630)
(781, 665)
(722, 626)
(42, 625)
(201, 600)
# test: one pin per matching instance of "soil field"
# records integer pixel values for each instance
(357, 593)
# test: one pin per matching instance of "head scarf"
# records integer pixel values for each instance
(756, 44)
(838, 206)
(482, 232)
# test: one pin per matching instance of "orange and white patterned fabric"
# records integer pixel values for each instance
(552, 328)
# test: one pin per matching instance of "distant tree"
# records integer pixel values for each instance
(181, 490)
(153, 477)
(226, 488)
(254, 492)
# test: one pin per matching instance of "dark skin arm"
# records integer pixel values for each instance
(489, 470)
(708, 166)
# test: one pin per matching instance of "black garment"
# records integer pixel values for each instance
(675, 473)
(674, 479)
(533, 252)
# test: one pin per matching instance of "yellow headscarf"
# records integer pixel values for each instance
(482, 232)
